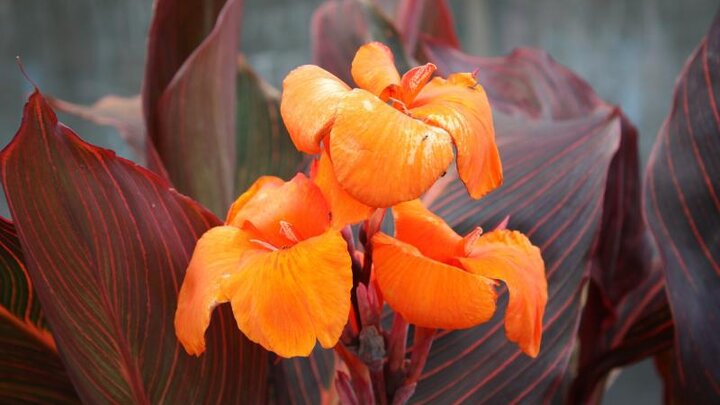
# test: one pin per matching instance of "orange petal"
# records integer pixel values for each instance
(414, 80)
(428, 293)
(459, 105)
(285, 300)
(271, 207)
(416, 225)
(509, 256)
(373, 68)
(264, 182)
(218, 253)
(310, 96)
(345, 209)
(383, 157)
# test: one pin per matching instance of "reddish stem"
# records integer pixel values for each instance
(396, 350)
(397, 343)
(421, 348)
(359, 375)
(371, 226)
(378, 382)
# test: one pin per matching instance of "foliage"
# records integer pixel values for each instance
(95, 255)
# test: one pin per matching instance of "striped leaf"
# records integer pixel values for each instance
(306, 380)
(640, 327)
(340, 27)
(122, 113)
(558, 142)
(682, 203)
(263, 145)
(626, 316)
(419, 20)
(106, 245)
(189, 96)
(30, 367)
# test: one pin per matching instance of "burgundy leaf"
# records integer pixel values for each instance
(642, 327)
(425, 18)
(122, 113)
(340, 27)
(106, 244)
(626, 316)
(189, 95)
(682, 206)
(30, 367)
(526, 82)
(306, 380)
(264, 147)
(557, 144)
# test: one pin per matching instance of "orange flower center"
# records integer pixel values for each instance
(289, 233)
(402, 96)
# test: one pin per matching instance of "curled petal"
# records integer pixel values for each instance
(345, 209)
(236, 214)
(460, 106)
(373, 68)
(509, 256)
(285, 300)
(428, 293)
(416, 225)
(414, 80)
(271, 208)
(217, 255)
(383, 157)
(310, 96)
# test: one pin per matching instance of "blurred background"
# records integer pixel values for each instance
(630, 51)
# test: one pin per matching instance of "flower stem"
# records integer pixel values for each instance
(397, 346)
(420, 351)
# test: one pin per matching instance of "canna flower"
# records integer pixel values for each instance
(390, 139)
(435, 278)
(277, 260)
(345, 209)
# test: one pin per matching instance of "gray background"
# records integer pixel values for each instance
(629, 51)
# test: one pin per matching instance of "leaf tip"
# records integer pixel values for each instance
(18, 60)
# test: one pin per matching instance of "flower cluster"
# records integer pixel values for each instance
(284, 258)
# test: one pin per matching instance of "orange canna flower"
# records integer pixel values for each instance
(277, 260)
(435, 278)
(393, 137)
(345, 209)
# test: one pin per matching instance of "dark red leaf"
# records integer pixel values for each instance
(642, 327)
(525, 82)
(557, 145)
(682, 206)
(306, 380)
(340, 27)
(264, 147)
(122, 113)
(189, 95)
(30, 367)
(626, 316)
(425, 18)
(106, 244)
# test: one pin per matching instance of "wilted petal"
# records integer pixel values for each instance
(383, 157)
(509, 256)
(414, 80)
(217, 255)
(373, 68)
(309, 99)
(285, 300)
(459, 105)
(428, 293)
